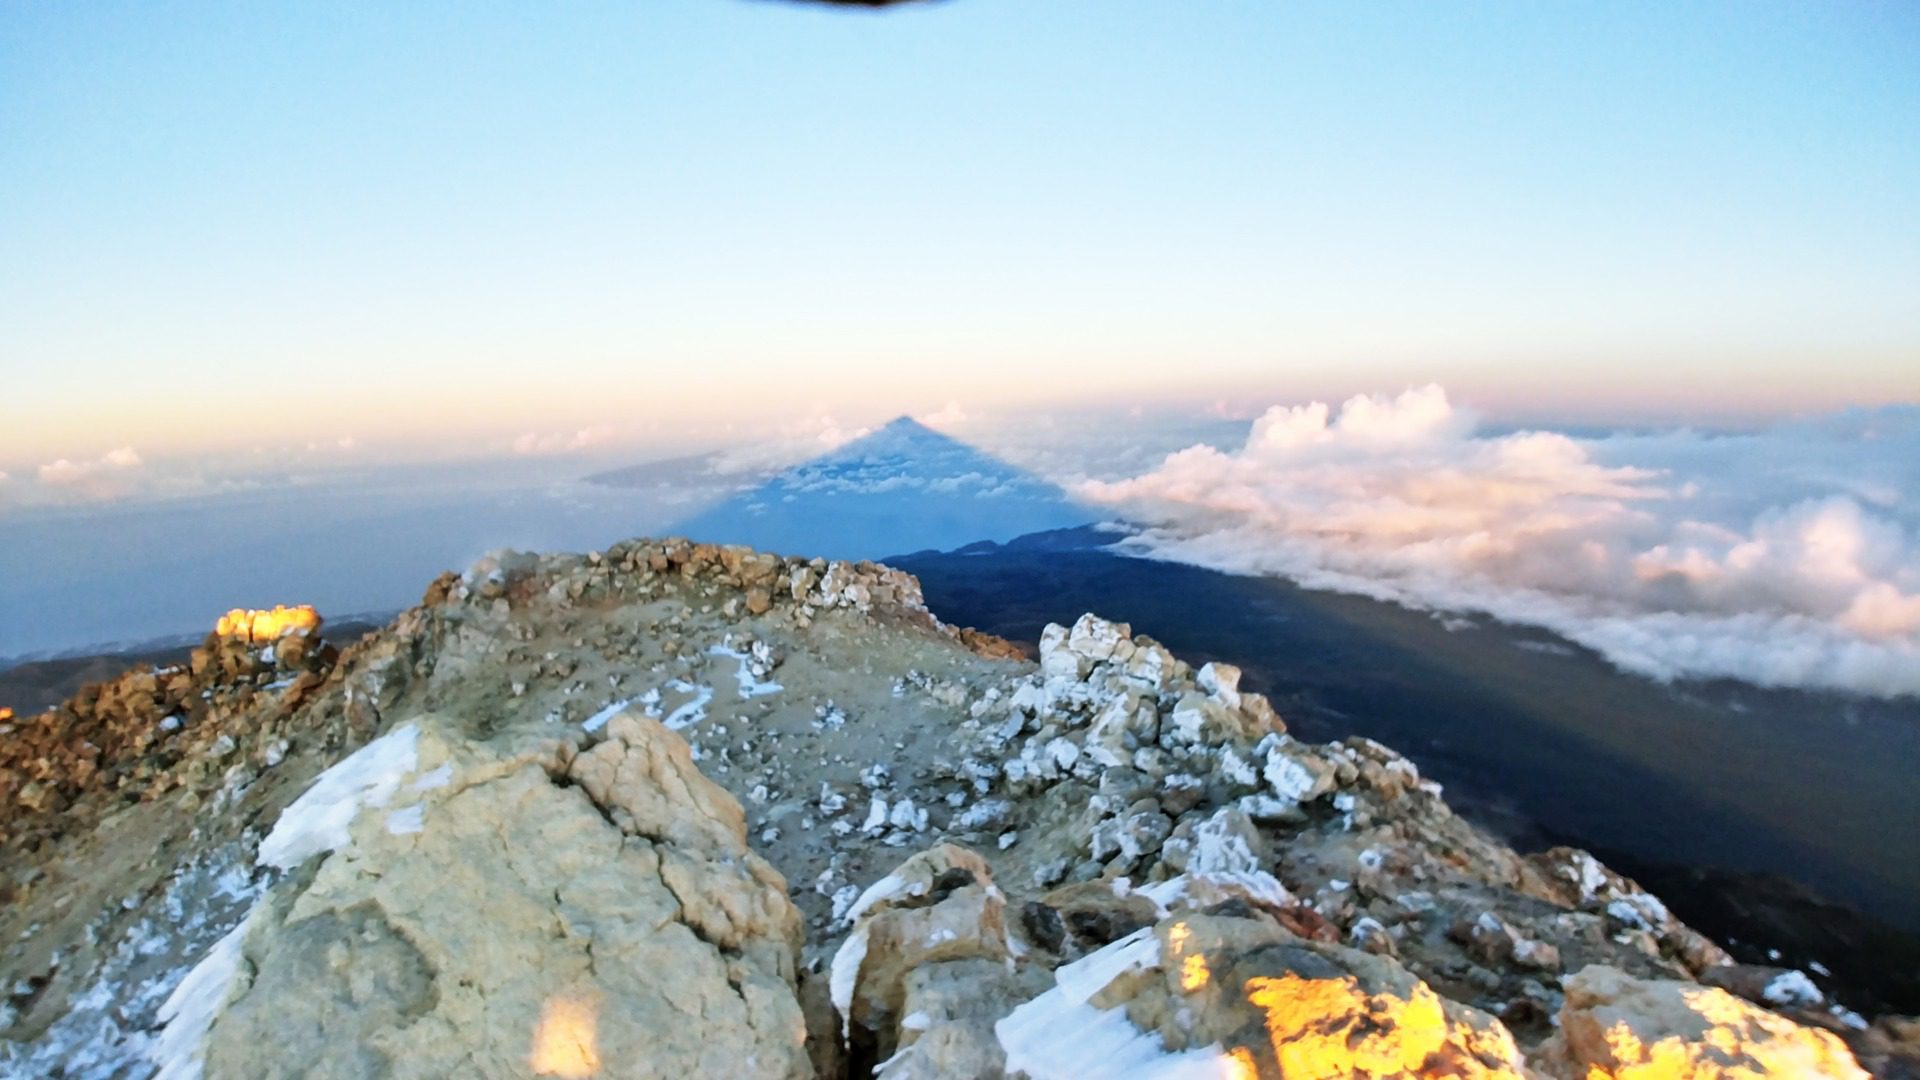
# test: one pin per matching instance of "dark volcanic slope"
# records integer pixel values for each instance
(1539, 740)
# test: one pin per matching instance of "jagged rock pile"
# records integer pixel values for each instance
(152, 731)
(1147, 770)
(1174, 805)
(1230, 989)
(115, 890)
(643, 811)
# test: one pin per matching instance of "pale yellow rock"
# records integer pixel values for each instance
(522, 933)
(1616, 1027)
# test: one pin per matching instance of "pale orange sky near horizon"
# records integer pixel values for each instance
(421, 416)
(239, 230)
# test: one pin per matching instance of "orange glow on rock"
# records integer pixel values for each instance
(1194, 974)
(255, 625)
(1240, 1065)
(1331, 1029)
(564, 1039)
(1733, 1038)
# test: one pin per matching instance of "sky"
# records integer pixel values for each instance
(317, 236)
(1603, 318)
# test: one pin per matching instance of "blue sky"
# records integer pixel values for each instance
(432, 228)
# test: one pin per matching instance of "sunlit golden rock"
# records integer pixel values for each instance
(1616, 1027)
(265, 626)
(1326, 1029)
(1243, 997)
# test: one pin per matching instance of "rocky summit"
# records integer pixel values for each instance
(682, 810)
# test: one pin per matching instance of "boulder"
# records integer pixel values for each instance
(1215, 995)
(940, 905)
(1616, 1026)
(517, 919)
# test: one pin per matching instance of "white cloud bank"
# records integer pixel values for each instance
(1787, 558)
(106, 477)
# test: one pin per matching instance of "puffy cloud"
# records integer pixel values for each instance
(1420, 415)
(1785, 558)
(948, 415)
(105, 477)
(538, 443)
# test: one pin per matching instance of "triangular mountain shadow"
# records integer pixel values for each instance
(902, 488)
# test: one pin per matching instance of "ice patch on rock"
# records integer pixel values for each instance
(190, 1009)
(751, 684)
(407, 821)
(1060, 1036)
(692, 712)
(1221, 682)
(599, 720)
(317, 821)
(1793, 988)
(1288, 778)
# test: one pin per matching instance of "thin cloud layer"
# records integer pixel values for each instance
(548, 443)
(1787, 558)
(792, 444)
(109, 476)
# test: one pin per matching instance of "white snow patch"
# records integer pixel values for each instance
(751, 685)
(190, 1009)
(693, 711)
(436, 779)
(1290, 779)
(1059, 1036)
(885, 889)
(1793, 988)
(599, 720)
(406, 822)
(876, 817)
(844, 974)
(318, 820)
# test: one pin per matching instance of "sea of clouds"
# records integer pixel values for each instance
(1786, 557)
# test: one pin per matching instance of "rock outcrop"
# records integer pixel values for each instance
(154, 731)
(1614, 1025)
(515, 908)
(652, 810)
(1235, 989)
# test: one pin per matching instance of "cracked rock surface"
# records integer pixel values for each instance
(542, 883)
